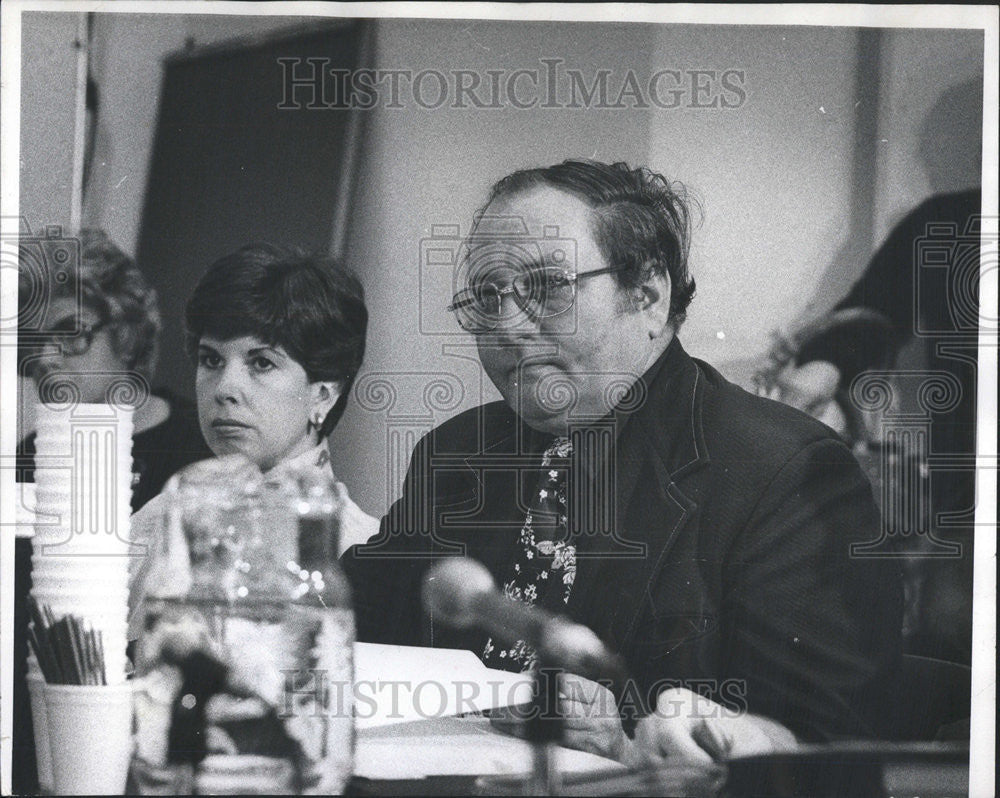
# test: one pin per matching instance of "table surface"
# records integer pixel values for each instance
(899, 769)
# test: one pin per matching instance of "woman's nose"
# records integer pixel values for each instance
(46, 357)
(229, 387)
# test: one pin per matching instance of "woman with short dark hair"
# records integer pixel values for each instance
(298, 323)
(278, 336)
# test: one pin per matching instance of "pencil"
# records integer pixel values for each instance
(100, 656)
(88, 639)
(72, 654)
(42, 655)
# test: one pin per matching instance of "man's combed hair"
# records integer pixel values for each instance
(312, 307)
(642, 221)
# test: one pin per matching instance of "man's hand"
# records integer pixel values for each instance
(590, 720)
(689, 729)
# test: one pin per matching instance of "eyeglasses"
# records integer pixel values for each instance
(73, 340)
(540, 293)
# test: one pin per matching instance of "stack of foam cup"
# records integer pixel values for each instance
(81, 551)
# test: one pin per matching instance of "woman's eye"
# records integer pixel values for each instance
(261, 363)
(209, 360)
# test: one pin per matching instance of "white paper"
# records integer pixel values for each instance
(455, 747)
(397, 684)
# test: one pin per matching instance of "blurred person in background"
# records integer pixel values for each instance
(100, 342)
(97, 342)
(922, 283)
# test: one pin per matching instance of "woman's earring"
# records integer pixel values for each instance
(314, 423)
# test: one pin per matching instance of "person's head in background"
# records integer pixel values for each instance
(101, 322)
(278, 337)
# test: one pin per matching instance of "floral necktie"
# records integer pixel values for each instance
(545, 563)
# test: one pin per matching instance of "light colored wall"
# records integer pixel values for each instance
(930, 118)
(48, 96)
(774, 175)
(48, 90)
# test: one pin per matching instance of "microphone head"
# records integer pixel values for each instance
(452, 588)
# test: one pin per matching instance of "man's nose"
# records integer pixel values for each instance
(50, 350)
(229, 388)
(516, 317)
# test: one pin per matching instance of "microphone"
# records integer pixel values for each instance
(461, 592)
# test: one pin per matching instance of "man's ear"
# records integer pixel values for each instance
(654, 301)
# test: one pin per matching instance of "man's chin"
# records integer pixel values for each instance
(542, 419)
(554, 420)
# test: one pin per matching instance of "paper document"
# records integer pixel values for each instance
(396, 684)
(455, 747)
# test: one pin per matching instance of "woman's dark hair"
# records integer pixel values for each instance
(310, 306)
(641, 220)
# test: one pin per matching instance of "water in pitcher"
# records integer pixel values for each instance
(249, 673)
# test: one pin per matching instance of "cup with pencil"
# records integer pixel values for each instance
(84, 725)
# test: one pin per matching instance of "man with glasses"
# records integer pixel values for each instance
(703, 533)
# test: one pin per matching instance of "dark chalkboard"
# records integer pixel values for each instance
(242, 155)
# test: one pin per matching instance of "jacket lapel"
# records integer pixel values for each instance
(492, 513)
(660, 445)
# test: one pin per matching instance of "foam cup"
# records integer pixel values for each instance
(40, 722)
(90, 734)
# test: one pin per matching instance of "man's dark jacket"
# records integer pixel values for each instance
(745, 510)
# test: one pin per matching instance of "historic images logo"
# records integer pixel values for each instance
(315, 84)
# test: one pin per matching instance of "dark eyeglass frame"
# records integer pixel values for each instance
(466, 296)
